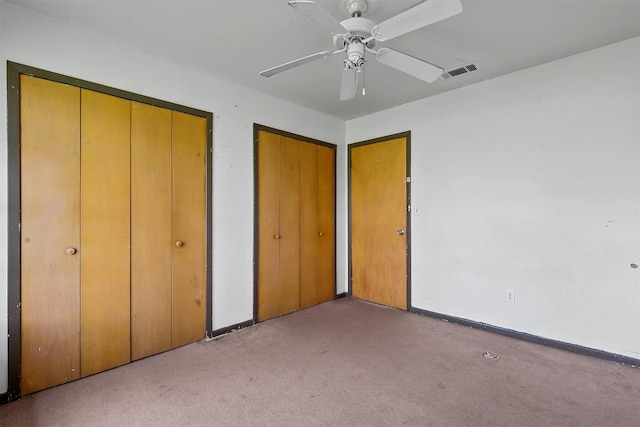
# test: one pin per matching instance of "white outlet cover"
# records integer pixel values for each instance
(510, 296)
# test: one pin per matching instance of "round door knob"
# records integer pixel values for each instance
(400, 232)
(321, 234)
(179, 243)
(71, 251)
(276, 236)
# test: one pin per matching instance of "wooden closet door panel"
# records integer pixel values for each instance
(309, 232)
(105, 232)
(326, 226)
(189, 232)
(289, 226)
(268, 225)
(50, 224)
(150, 230)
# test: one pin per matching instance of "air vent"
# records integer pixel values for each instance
(459, 71)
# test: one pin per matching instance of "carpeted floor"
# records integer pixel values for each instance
(347, 363)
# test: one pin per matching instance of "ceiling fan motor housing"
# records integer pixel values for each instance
(359, 29)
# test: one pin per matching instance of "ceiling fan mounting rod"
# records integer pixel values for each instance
(356, 8)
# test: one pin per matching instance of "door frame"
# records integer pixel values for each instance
(407, 136)
(256, 220)
(14, 70)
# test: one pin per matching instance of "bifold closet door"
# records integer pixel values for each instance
(295, 224)
(326, 224)
(309, 230)
(105, 232)
(168, 223)
(150, 230)
(289, 227)
(50, 233)
(188, 229)
(268, 225)
(279, 229)
(113, 239)
(316, 224)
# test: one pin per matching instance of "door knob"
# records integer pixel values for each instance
(400, 232)
(179, 243)
(321, 234)
(71, 251)
(276, 236)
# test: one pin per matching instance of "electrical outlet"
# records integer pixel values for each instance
(510, 296)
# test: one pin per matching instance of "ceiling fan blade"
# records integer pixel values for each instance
(314, 12)
(410, 65)
(415, 17)
(295, 63)
(349, 84)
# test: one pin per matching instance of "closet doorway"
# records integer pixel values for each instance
(295, 222)
(110, 193)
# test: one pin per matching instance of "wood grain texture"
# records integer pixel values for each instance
(289, 225)
(50, 223)
(326, 224)
(296, 199)
(150, 230)
(189, 205)
(309, 239)
(378, 211)
(105, 232)
(268, 225)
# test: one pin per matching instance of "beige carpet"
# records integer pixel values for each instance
(347, 363)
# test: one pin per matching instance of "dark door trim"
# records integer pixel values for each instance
(14, 70)
(407, 136)
(256, 128)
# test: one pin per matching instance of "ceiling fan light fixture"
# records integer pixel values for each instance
(355, 52)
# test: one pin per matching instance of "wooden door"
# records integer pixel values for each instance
(295, 220)
(50, 238)
(113, 260)
(188, 230)
(317, 270)
(150, 230)
(379, 222)
(289, 225)
(105, 232)
(268, 205)
(309, 279)
(326, 224)
(279, 225)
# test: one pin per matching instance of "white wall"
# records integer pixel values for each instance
(530, 182)
(37, 41)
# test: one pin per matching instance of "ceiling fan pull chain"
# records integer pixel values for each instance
(363, 91)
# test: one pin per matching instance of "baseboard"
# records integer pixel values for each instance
(341, 295)
(587, 351)
(8, 397)
(231, 328)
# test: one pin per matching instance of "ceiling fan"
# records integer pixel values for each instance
(357, 35)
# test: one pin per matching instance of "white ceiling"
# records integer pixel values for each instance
(236, 39)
